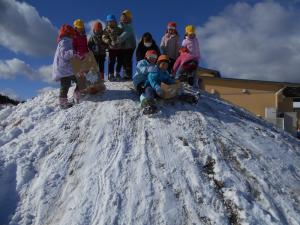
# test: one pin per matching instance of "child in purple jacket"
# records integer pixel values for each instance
(62, 69)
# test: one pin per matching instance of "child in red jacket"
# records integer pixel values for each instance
(80, 40)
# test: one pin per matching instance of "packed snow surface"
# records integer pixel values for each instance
(103, 162)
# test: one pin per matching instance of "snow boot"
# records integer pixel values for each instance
(64, 104)
(102, 76)
(190, 80)
(148, 105)
(126, 77)
(146, 102)
(149, 109)
(111, 77)
(189, 98)
(76, 96)
(117, 76)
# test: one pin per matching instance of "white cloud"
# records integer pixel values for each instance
(23, 30)
(45, 73)
(11, 68)
(253, 42)
(46, 89)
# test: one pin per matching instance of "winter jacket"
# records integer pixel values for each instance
(111, 37)
(192, 45)
(182, 59)
(154, 79)
(96, 44)
(61, 63)
(142, 49)
(142, 69)
(127, 38)
(80, 44)
(170, 45)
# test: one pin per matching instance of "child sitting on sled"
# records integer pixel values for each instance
(145, 66)
(153, 84)
(185, 67)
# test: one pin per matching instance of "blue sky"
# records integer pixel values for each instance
(243, 39)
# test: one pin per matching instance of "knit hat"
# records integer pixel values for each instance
(190, 29)
(110, 18)
(97, 26)
(171, 26)
(128, 14)
(163, 58)
(65, 31)
(79, 24)
(151, 54)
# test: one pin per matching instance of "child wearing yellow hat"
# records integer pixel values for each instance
(128, 43)
(80, 40)
(192, 46)
(191, 41)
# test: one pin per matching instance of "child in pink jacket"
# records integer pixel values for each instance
(170, 44)
(186, 64)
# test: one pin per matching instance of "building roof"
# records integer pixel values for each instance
(257, 81)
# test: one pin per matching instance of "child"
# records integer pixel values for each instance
(128, 43)
(191, 41)
(147, 43)
(62, 70)
(110, 37)
(186, 64)
(143, 68)
(170, 44)
(98, 47)
(80, 39)
(153, 82)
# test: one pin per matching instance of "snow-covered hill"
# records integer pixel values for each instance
(102, 162)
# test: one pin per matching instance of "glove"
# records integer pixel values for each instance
(81, 74)
(152, 69)
(159, 91)
(115, 42)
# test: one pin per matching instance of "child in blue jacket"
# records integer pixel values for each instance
(145, 66)
(153, 84)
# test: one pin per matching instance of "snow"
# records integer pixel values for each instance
(103, 162)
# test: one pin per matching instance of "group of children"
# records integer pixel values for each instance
(176, 63)
(154, 65)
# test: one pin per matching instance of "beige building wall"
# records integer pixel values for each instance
(253, 96)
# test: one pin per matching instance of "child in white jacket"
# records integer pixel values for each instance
(170, 44)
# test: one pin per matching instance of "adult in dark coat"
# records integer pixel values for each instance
(146, 43)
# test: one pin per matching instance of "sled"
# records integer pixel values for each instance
(170, 90)
(87, 74)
